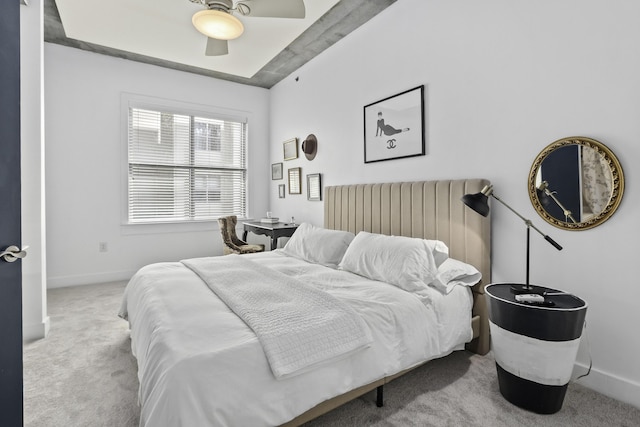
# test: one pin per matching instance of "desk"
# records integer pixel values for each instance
(274, 231)
(534, 345)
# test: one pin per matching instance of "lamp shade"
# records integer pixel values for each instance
(479, 202)
(217, 24)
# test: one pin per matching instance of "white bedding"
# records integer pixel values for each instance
(270, 302)
(201, 365)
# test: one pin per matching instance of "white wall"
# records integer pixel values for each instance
(503, 79)
(85, 164)
(35, 322)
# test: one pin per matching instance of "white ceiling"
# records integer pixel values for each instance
(160, 32)
(162, 29)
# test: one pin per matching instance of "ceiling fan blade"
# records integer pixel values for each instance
(216, 47)
(276, 8)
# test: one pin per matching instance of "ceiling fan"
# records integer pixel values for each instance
(218, 23)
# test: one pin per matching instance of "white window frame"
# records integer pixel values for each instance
(129, 100)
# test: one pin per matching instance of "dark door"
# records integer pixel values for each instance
(10, 273)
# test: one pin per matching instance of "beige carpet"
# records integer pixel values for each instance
(83, 374)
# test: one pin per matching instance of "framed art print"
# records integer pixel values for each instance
(314, 187)
(295, 181)
(394, 127)
(281, 191)
(290, 148)
(276, 171)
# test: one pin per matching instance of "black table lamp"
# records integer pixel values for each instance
(479, 202)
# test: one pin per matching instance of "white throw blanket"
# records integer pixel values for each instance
(298, 325)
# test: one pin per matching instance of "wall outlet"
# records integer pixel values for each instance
(102, 247)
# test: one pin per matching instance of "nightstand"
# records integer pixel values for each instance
(534, 344)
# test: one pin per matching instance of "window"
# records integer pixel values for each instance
(207, 135)
(184, 167)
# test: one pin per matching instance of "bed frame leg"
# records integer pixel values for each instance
(379, 397)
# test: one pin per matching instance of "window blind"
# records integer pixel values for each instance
(184, 167)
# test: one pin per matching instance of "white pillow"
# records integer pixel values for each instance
(405, 262)
(318, 245)
(454, 272)
(439, 249)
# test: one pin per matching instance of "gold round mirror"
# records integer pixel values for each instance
(576, 183)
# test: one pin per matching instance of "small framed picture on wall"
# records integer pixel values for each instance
(281, 191)
(295, 181)
(276, 171)
(314, 187)
(290, 148)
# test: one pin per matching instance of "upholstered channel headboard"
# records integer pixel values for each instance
(424, 209)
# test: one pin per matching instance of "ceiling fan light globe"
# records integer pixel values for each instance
(217, 24)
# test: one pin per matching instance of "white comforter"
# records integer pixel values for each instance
(201, 365)
(271, 302)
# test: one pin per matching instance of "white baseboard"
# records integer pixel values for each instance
(608, 384)
(36, 331)
(88, 279)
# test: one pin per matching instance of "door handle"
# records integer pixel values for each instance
(12, 253)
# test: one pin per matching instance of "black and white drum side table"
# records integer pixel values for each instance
(534, 344)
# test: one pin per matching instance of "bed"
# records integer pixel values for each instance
(199, 363)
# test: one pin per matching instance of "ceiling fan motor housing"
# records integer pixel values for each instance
(223, 5)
